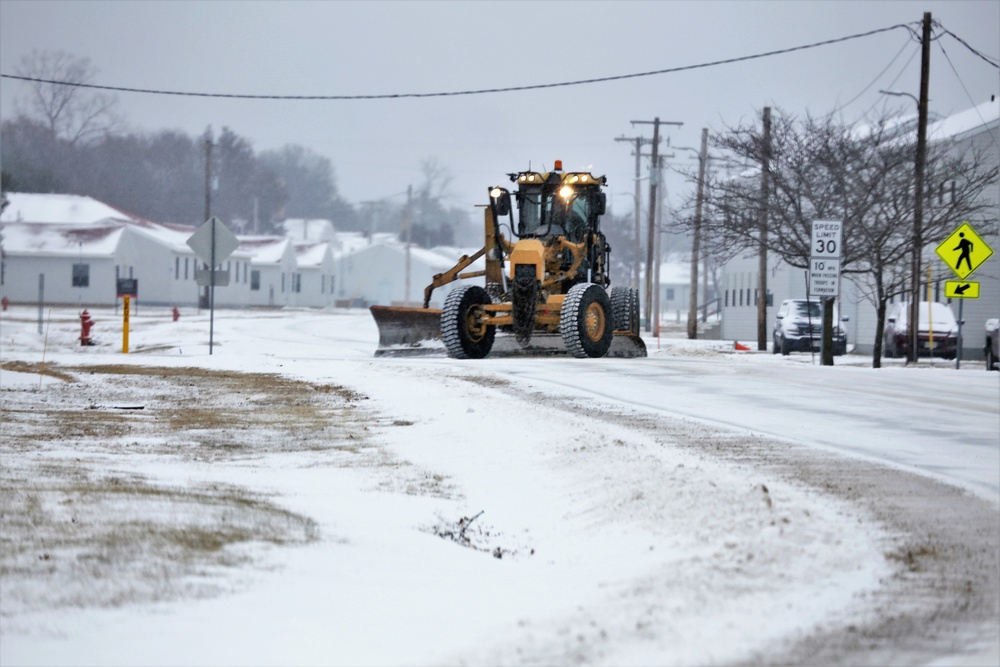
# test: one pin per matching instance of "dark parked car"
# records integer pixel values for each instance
(937, 334)
(798, 327)
(993, 344)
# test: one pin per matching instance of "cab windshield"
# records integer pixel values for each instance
(545, 214)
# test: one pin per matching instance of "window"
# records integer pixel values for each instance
(81, 275)
(670, 294)
(177, 268)
(255, 281)
(296, 282)
(186, 267)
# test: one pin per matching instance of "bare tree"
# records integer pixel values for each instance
(860, 174)
(71, 113)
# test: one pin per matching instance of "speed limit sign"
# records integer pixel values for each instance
(826, 239)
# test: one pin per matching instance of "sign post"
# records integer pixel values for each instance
(964, 252)
(213, 242)
(127, 288)
(824, 267)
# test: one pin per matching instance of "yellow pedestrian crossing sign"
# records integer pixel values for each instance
(960, 289)
(964, 251)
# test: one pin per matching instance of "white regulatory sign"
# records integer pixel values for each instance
(826, 239)
(824, 277)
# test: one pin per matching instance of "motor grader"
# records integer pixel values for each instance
(546, 280)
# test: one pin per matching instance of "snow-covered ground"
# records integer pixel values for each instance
(291, 499)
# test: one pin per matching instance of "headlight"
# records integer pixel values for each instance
(495, 193)
(565, 192)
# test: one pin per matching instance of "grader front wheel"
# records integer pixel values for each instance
(465, 333)
(586, 321)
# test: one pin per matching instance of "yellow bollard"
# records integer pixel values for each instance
(125, 327)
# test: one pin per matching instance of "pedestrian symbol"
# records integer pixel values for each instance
(964, 251)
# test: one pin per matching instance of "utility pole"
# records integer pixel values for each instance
(208, 203)
(765, 167)
(653, 178)
(692, 323)
(639, 142)
(918, 207)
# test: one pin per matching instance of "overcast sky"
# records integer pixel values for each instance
(376, 48)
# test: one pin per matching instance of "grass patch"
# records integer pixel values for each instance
(71, 536)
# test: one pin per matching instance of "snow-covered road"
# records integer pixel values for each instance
(700, 506)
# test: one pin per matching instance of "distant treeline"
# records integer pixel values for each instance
(163, 176)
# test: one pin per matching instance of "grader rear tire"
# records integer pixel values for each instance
(585, 321)
(621, 306)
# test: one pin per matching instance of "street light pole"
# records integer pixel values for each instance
(692, 319)
(653, 178)
(639, 141)
(692, 323)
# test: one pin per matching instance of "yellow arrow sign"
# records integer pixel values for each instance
(959, 289)
(964, 251)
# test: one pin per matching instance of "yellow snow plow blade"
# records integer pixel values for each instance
(403, 331)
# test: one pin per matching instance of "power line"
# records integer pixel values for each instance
(481, 91)
(989, 59)
(877, 77)
(974, 104)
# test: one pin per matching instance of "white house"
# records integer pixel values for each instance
(61, 263)
(317, 274)
(95, 244)
(386, 273)
(165, 265)
(274, 279)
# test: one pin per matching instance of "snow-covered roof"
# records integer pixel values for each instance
(59, 208)
(428, 258)
(959, 125)
(52, 240)
(309, 229)
(173, 237)
(265, 249)
(431, 258)
(311, 254)
(347, 243)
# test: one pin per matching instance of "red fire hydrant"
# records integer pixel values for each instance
(6, 302)
(177, 314)
(85, 325)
